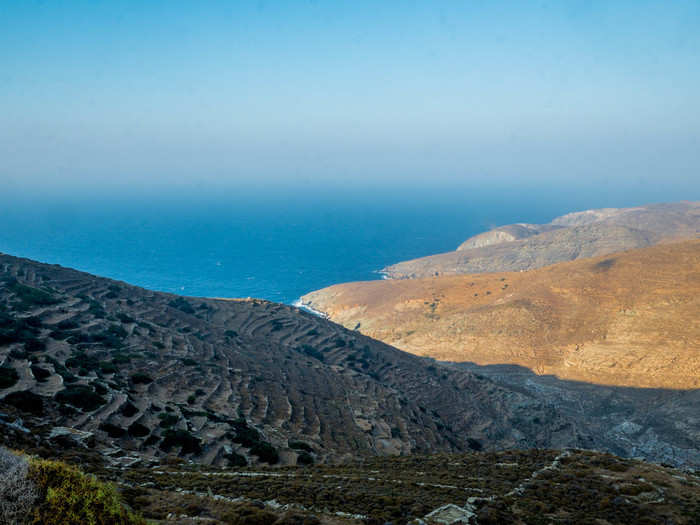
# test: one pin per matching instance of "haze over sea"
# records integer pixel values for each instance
(273, 244)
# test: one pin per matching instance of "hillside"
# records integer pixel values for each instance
(629, 319)
(589, 233)
(627, 323)
(139, 374)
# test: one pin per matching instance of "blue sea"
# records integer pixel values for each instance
(255, 243)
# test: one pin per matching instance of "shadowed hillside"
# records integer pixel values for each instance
(94, 362)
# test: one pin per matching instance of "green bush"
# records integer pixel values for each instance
(167, 420)
(28, 296)
(80, 396)
(69, 497)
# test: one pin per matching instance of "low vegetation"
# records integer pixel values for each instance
(44, 492)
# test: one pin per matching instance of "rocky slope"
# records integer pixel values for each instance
(138, 374)
(573, 236)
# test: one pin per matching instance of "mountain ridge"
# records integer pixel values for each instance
(588, 233)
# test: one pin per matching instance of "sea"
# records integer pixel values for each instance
(274, 245)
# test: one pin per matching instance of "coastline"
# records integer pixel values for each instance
(307, 308)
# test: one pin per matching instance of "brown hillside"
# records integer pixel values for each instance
(627, 319)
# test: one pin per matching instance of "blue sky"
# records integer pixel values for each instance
(105, 94)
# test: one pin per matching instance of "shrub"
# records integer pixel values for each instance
(141, 378)
(138, 430)
(124, 318)
(80, 396)
(312, 352)
(28, 296)
(151, 440)
(108, 368)
(304, 458)
(167, 420)
(113, 431)
(100, 388)
(181, 438)
(41, 374)
(474, 444)
(182, 305)
(236, 460)
(8, 377)
(26, 401)
(17, 492)
(265, 452)
(34, 345)
(15, 330)
(83, 361)
(67, 496)
(245, 435)
(67, 324)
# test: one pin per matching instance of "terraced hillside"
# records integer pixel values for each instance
(590, 233)
(139, 374)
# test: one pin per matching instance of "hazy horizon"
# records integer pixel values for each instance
(120, 96)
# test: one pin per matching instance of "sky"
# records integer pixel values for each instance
(180, 94)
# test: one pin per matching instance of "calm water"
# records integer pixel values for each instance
(274, 247)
